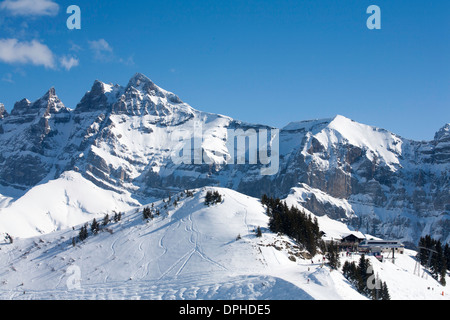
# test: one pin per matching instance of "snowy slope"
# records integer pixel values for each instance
(190, 251)
(59, 204)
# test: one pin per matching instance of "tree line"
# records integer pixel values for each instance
(294, 223)
(435, 256)
(361, 276)
(148, 213)
(212, 198)
(95, 227)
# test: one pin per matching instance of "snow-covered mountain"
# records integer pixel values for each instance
(120, 145)
(192, 251)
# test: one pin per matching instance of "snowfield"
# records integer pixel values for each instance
(191, 252)
(58, 204)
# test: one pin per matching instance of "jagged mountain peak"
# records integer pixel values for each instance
(138, 80)
(330, 136)
(99, 98)
(443, 133)
(442, 145)
(141, 96)
(142, 83)
(50, 93)
(48, 103)
(20, 107)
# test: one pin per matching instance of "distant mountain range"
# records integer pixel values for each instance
(118, 149)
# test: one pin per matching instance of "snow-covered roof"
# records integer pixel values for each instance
(357, 234)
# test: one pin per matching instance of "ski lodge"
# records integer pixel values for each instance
(356, 241)
(353, 238)
(350, 241)
(371, 246)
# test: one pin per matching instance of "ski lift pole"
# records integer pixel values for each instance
(431, 251)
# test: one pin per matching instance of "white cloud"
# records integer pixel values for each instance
(75, 47)
(34, 52)
(69, 62)
(30, 7)
(102, 50)
(7, 78)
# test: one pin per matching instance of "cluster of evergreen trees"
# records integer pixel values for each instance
(293, 223)
(439, 260)
(83, 234)
(188, 193)
(95, 227)
(213, 198)
(149, 213)
(364, 280)
(332, 254)
(9, 238)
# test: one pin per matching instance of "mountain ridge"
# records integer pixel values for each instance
(121, 139)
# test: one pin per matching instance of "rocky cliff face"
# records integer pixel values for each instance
(126, 139)
(30, 138)
(396, 188)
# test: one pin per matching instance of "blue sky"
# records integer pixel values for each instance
(262, 61)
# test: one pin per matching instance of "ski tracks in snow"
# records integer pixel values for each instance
(193, 246)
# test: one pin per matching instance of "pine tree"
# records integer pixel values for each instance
(95, 227)
(264, 199)
(350, 272)
(117, 216)
(83, 234)
(217, 197)
(105, 220)
(212, 198)
(9, 238)
(147, 213)
(333, 256)
(346, 269)
(385, 292)
(447, 255)
(208, 198)
(439, 256)
(362, 274)
(443, 273)
(144, 214)
(258, 232)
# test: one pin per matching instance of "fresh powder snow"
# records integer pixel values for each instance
(191, 251)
